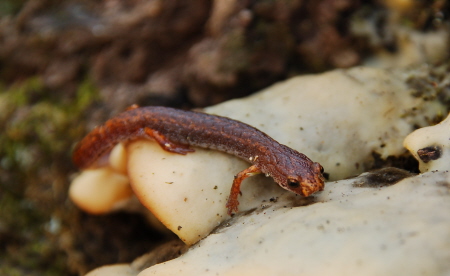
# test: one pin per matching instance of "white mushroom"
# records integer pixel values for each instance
(99, 191)
(431, 146)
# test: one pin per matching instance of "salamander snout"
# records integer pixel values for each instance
(308, 183)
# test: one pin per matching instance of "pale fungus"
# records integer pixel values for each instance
(431, 146)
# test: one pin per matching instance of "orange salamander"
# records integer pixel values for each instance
(177, 130)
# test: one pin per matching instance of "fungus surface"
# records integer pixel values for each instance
(431, 146)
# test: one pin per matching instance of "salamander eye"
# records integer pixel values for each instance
(318, 166)
(293, 184)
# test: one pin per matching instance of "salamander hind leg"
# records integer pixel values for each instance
(166, 144)
(232, 203)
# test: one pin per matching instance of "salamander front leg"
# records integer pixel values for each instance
(166, 144)
(232, 203)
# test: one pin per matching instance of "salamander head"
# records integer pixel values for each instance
(295, 172)
(307, 183)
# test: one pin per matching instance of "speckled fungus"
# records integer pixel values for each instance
(188, 193)
(431, 146)
(400, 229)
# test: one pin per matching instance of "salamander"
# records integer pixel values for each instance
(178, 130)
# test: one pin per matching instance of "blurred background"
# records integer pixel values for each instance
(67, 65)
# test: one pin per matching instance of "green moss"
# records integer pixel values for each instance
(87, 93)
(33, 116)
(9, 7)
(39, 129)
(27, 249)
